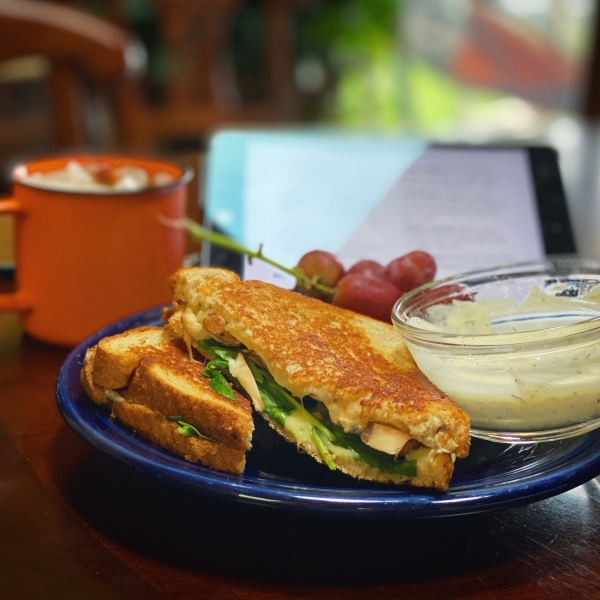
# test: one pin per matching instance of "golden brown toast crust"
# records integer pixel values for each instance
(185, 283)
(168, 384)
(94, 391)
(434, 470)
(118, 356)
(358, 367)
(162, 380)
(164, 433)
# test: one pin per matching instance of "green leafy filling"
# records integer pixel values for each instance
(316, 436)
(214, 370)
(187, 430)
(217, 349)
(375, 458)
(280, 404)
(219, 383)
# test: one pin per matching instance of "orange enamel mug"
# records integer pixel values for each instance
(86, 259)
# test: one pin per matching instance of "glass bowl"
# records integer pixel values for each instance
(516, 347)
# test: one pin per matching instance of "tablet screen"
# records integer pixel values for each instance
(375, 197)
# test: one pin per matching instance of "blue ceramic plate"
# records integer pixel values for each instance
(493, 476)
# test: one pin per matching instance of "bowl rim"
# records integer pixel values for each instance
(185, 176)
(550, 266)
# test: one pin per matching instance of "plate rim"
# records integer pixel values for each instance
(251, 489)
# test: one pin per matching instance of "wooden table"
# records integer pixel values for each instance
(75, 525)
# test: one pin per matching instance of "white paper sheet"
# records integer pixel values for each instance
(470, 208)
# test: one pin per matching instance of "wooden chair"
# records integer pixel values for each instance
(85, 53)
(201, 90)
(89, 60)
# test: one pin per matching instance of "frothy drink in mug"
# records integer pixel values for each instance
(92, 241)
(94, 177)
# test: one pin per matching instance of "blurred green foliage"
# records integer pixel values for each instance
(352, 28)
(358, 42)
(372, 81)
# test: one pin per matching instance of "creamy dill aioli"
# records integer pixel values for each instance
(534, 383)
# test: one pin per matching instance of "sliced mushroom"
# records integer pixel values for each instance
(216, 326)
(411, 445)
(388, 439)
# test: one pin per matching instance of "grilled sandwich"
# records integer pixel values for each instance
(341, 386)
(152, 385)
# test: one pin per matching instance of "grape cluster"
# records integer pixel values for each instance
(368, 287)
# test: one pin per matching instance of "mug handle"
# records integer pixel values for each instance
(19, 300)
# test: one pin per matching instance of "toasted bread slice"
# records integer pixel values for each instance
(164, 433)
(96, 392)
(157, 379)
(358, 367)
(118, 356)
(434, 469)
(187, 300)
(186, 284)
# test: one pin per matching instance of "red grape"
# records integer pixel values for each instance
(368, 268)
(367, 296)
(411, 270)
(322, 264)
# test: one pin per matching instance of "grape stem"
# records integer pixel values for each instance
(199, 233)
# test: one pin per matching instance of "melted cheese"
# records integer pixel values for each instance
(302, 432)
(241, 371)
(114, 395)
(300, 429)
(191, 325)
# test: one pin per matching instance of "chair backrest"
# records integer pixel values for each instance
(81, 49)
(202, 89)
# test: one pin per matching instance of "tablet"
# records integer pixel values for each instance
(378, 197)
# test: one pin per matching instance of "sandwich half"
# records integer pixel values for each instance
(341, 386)
(152, 384)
